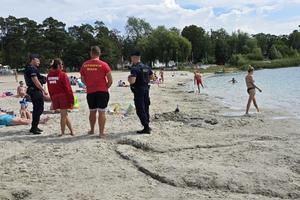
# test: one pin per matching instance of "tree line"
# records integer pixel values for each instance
(193, 44)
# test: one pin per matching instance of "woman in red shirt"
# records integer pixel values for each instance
(61, 93)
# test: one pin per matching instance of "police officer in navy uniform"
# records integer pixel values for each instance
(139, 79)
(34, 81)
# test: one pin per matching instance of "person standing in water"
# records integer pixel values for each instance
(251, 89)
(198, 80)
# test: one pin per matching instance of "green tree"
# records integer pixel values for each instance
(274, 53)
(221, 51)
(13, 42)
(55, 37)
(82, 38)
(136, 29)
(165, 45)
(294, 40)
(199, 40)
(110, 43)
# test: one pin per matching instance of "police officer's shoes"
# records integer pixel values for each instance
(39, 130)
(35, 131)
(144, 131)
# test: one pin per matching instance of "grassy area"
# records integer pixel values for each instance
(271, 64)
(286, 62)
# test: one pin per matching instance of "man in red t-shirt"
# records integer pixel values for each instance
(61, 93)
(96, 75)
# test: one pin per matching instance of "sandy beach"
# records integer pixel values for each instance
(198, 153)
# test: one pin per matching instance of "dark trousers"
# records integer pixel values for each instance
(142, 103)
(38, 107)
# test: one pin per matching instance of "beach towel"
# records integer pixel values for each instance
(76, 103)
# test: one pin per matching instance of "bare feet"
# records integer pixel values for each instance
(90, 132)
(102, 136)
(60, 135)
(72, 134)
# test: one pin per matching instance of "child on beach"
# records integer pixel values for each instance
(21, 90)
(24, 112)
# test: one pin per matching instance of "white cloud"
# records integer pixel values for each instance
(248, 15)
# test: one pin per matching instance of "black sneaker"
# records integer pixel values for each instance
(35, 132)
(39, 130)
(144, 131)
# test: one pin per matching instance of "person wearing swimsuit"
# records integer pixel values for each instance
(198, 79)
(251, 89)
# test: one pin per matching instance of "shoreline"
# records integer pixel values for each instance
(275, 108)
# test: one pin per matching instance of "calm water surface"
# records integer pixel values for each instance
(281, 90)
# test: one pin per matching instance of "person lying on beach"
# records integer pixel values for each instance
(198, 79)
(21, 90)
(12, 120)
(80, 83)
(251, 89)
(122, 84)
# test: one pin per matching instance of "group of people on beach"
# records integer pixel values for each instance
(97, 79)
(250, 83)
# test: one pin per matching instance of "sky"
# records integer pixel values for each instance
(252, 16)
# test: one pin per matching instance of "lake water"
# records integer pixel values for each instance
(281, 90)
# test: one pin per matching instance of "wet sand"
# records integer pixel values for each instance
(198, 153)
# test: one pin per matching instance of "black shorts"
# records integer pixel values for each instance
(98, 100)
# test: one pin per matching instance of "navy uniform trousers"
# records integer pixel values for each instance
(142, 103)
(37, 99)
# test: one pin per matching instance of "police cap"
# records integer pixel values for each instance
(135, 53)
(33, 56)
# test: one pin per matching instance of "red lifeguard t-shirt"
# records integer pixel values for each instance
(58, 84)
(94, 72)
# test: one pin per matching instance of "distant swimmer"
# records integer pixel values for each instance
(251, 89)
(198, 79)
(233, 81)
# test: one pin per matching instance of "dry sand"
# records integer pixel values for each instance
(198, 153)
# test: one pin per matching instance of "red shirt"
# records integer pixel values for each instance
(94, 72)
(58, 84)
